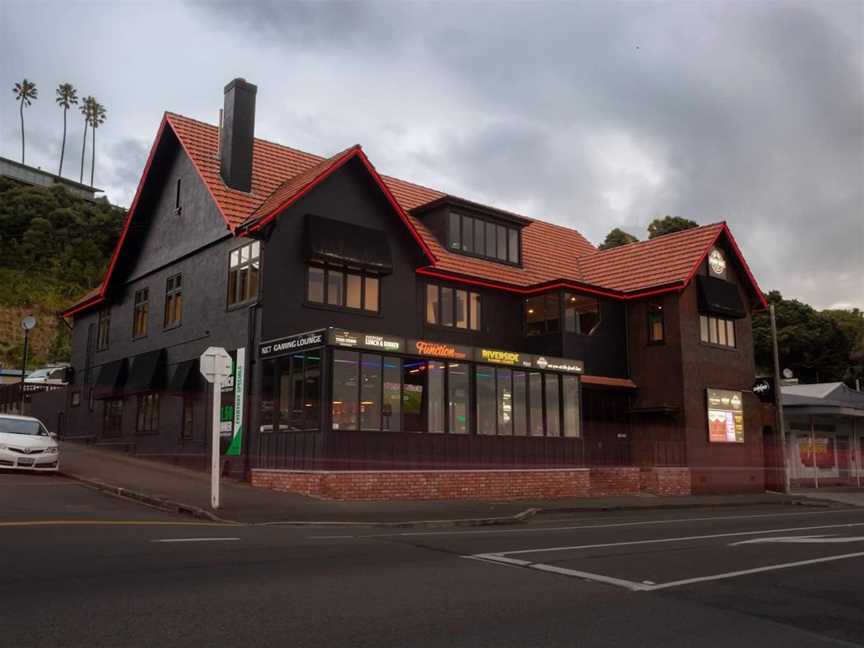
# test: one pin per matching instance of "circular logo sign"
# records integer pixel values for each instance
(717, 262)
(542, 362)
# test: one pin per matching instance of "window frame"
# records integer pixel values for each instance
(111, 417)
(455, 242)
(255, 246)
(188, 407)
(139, 307)
(728, 325)
(470, 295)
(171, 295)
(565, 296)
(546, 320)
(103, 337)
(654, 311)
(366, 277)
(147, 411)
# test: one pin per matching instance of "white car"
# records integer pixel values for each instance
(25, 444)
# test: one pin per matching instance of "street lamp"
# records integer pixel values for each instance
(28, 324)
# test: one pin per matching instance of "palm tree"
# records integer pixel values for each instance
(67, 96)
(25, 93)
(97, 118)
(86, 110)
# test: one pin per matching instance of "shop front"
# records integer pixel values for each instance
(343, 400)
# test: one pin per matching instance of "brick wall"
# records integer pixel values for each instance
(474, 484)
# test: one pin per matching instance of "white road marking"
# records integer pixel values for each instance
(812, 539)
(330, 537)
(613, 525)
(626, 543)
(196, 540)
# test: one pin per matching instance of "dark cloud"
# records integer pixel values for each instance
(589, 114)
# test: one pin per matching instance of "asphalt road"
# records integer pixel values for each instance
(78, 568)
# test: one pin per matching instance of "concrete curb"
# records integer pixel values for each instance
(150, 500)
(816, 503)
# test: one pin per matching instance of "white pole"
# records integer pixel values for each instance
(215, 459)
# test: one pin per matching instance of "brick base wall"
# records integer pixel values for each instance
(473, 484)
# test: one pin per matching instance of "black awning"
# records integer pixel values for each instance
(719, 297)
(347, 244)
(186, 378)
(147, 373)
(111, 378)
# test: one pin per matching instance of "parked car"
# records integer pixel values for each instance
(25, 444)
(52, 375)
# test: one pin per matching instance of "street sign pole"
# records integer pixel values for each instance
(215, 367)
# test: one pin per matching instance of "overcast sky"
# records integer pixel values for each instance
(590, 114)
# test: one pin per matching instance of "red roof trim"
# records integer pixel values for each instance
(84, 305)
(198, 171)
(116, 254)
(725, 230)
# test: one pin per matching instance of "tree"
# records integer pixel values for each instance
(97, 118)
(668, 225)
(25, 93)
(67, 96)
(86, 110)
(617, 237)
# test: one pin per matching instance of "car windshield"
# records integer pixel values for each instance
(22, 426)
(39, 374)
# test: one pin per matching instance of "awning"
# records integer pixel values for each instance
(148, 372)
(719, 297)
(186, 378)
(608, 381)
(346, 244)
(111, 378)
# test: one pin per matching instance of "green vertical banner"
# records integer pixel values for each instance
(239, 400)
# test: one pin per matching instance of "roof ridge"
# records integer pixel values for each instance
(662, 237)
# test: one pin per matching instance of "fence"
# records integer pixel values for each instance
(12, 398)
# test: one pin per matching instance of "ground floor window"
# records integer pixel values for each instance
(187, 429)
(291, 393)
(148, 413)
(112, 417)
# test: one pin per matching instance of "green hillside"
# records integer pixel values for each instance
(54, 247)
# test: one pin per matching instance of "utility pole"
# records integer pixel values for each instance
(778, 400)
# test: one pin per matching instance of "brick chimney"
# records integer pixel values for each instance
(237, 135)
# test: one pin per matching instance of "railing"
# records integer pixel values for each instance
(11, 397)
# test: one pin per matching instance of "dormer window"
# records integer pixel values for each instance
(483, 237)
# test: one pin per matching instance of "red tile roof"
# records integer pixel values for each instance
(552, 255)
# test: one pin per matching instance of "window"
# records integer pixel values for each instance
(76, 398)
(140, 313)
(112, 417)
(570, 399)
(717, 330)
(414, 395)
(173, 301)
(351, 289)
(346, 365)
(177, 207)
(291, 393)
(519, 403)
(391, 401)
(542, 314)
(244, 273)
(656, 323)
(187, 427)
(148, 413)
(452, 307)
(458, 397)
(102, 329)
(480, 237)
(581, 314)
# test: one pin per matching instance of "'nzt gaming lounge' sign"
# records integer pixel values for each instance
(291, 344)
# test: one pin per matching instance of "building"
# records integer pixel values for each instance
(824, 434)
(37, 177)
(381, 326)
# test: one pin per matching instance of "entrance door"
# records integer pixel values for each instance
(843, 459)
(773, 458)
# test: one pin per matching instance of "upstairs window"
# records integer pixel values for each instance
(173, 301)
(102, 329)
(480, 237)
(348, 288)
(244, 271)
(717, 330)
(454, 307)
(581, 314)
(656, 323)
(140, 313)
(543, 314)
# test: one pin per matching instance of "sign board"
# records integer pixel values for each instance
(764, 389)
(291, 344)
(354, 340)
(725, 416)
(439, 350)
(215, 364)
(236, 438)
(529, 361)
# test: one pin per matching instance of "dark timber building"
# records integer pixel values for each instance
(392, 340)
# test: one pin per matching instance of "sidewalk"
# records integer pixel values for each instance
(189, 491)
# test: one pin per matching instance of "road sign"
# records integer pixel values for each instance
(215, 365)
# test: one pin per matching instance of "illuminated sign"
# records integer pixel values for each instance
(513, 358)
(500, 357)
(439, 349)
(725, 416)
(290, 344)
(356, 340)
